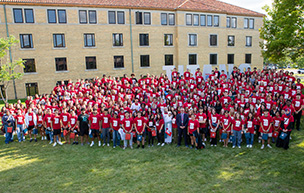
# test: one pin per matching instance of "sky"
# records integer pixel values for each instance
(255, 5)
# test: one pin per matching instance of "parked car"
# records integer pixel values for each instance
(301, 71)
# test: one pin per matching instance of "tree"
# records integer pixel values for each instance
(283, 31)
(7, 68)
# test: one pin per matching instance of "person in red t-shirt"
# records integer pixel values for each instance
(193, 130)
(139, 125)
(95, 125)
(276, 125)
(285, 130)
(159, 123)
(237, 130)
(47, 119)
(114, 123)
(250, 123)
(214, 123)
(65, 123)
(127, 126)
(226, 125)
(40, 125)
(20, 125)
(266, 122)
(56, 125)
(74, 126)
(105, 119)
(202, 119)
(298, 105)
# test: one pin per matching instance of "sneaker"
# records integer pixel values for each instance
(108, 144)
(233, 147)
(250, 146)
(259, 141)
(131, 147)
(239, 147)
(81, 144)
(104, 144)
(191, 147)
(247, 146)
(143, 147)
(149, 145)
(76, 143)
(220, 140)
(162, 144)
(205, 139)
(50, 142)
(262, 147)
(42, 138)
(31, 140)
(124, 148)
(92, 144)
(158, 144)
(211, 145)
(59, 142)
(88, 143)
(269, 146)
(138, 146)
(55, 144)
(73, 143)
(35, 140)
(114, 147)
(204, 144)
(99, 143)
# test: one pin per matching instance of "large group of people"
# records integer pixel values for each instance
(255, 105)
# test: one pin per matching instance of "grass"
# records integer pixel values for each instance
(39, 167)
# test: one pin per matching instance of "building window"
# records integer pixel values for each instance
(163, 19)
(251, 23)
(147, 18)
(213, 59)
(61, 64)
(51, 16)
(188, 19)
(246, 23)
(216, 21)
(203, 20)
(29, 65)
(168, 41)
(213, 40)
(31, 89)
(144, 39)
(233, 22)
(231, 40)
(192, 59)
(18, 18)
(117, 40)
(192, 40)
(90, 63)
(228, 21)
(169, 60)
(26, 41)
(89, 40)
(59, 41)
(144, 61)
(230, 58)
(92, 17)
(83, 16)
(171, 19)
(209, 20)
(120, 17)
(118, 62)
(195, 19)
(61, 16)
(248, 58)
(29, 15)
(112, 19)
(248, 41)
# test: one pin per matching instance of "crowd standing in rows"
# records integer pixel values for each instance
(262, 104)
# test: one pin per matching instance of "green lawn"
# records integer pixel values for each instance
(39, 167)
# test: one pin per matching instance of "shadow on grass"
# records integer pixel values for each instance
(39, 167)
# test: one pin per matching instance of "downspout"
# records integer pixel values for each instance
(131, 40)
(10, 50)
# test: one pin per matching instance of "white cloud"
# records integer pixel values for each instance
(255, 5)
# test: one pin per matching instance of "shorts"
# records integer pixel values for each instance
(204, 130)
(95, 132)
(84, 131)
(143, 134)
(30, 127)
(57, 132)
(269, 134)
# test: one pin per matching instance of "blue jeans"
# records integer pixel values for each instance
(50, 133)
(8, 136)
(249, 140)
(238, 137)
(20, 132)
(116, 141)
(106, 135)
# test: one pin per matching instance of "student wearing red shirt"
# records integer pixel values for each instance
(202, 119)
(226, 125)
(31, 123)
(40, 125)
(285, 129)
(127, 126)
(105, 119)
(139, 125)
(65, 123)
(56, 125)
(276, 125)
(298, 105)
(20, 125)
(47, 119)
(266, 122)
(114, 123)
(237, 130)
(159, 122)
(73, 127)
(214, 123)
(250, 123)
(193, 130)
(95, 125)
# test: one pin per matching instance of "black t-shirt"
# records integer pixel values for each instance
(83, 121)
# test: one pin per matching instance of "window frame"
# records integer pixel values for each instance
(118, 18)
(146, 40)
(109, 18)
(171, 14)
(115, 58)
(204, 16)
(189, 14)
(189, 55)
(85, 37)
(190, 43)
(62, 39)
(210, 40)
(248, 45)
(171, 39)
(149, 20)
(249, 24)
(27, 88)
(169, 55)
(142, 60)
(139, 18)
(87, 65)
(233, 22)
(246, 58)
(210, 57)
(228, 22)
(14, 13)
(161, 18)
(218, 21)
(229, 58)
(120, 39)
(59, 18)
(25, 17)
(25, 66)
(209, 16)
(48, 15)
(86, 17)
(22, 41)
(89, 16)
(198, 21)
(246, 23)
(233, 41)
(65, 65)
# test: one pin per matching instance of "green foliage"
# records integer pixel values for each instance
(283, 31)
(7, 70)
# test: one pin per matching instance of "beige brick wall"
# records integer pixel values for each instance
(45, 54)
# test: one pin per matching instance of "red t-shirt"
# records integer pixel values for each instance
(105, 121)
(193, 125)
(250, 125)
(266, 121)
(297, 104)
(48, 119)
(20, 119)
(127, 123)
(115, 123)
(201, 117)
(287, 120)
(237, 124)
(226, 121)
(73, 121)
(95, 119)
(159, 123)
(65, 118)
(39, 118)
(56, 122)
(139, 122)
(31, 119)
